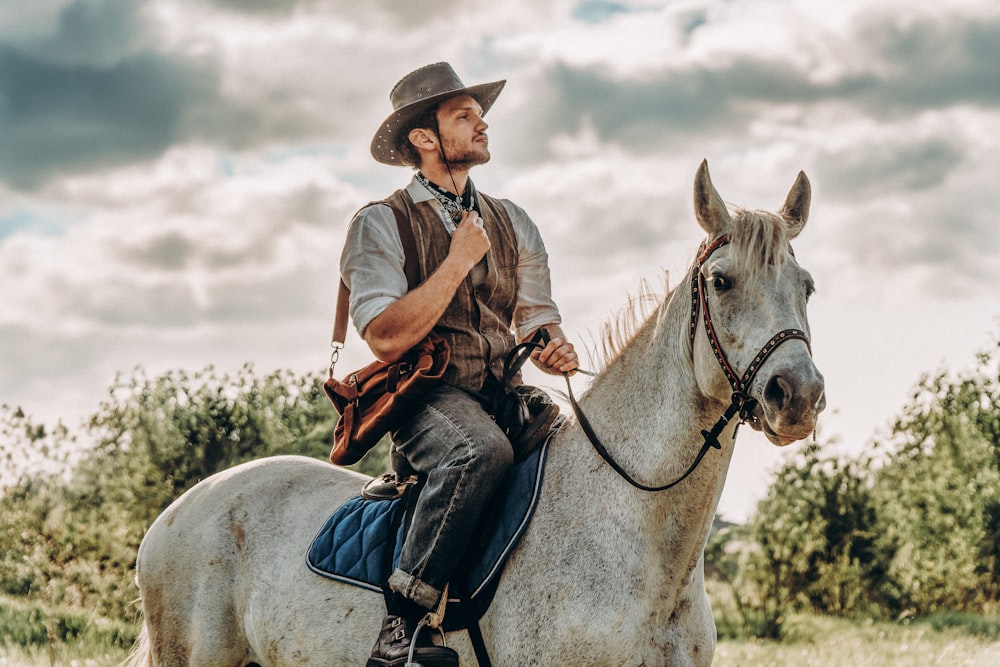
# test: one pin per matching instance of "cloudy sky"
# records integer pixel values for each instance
(176, 175)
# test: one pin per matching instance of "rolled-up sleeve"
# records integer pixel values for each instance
(535, 306)
(371, 264)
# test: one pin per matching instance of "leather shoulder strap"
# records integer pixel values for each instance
(410, 269)
(410, 266)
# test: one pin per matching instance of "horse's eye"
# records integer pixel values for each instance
(721, 283)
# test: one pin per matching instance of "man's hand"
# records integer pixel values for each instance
(469, 243)
(558, 356)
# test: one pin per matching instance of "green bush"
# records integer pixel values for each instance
(938, 493)
(71, 539)
(986, 627)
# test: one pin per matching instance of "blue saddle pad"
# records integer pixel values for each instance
(355, 543)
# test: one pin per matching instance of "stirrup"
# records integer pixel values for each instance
(424, 623)
(387, 487)
(433, 619)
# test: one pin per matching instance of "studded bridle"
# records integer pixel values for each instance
(741, 403)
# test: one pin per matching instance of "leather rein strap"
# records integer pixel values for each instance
(741, 403)
(606, 455)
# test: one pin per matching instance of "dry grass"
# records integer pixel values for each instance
(18, 657)
(824, 642)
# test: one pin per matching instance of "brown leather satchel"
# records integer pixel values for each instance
(376, 399)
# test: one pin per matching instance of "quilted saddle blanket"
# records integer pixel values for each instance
(360, 543)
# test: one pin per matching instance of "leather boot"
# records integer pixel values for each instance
(392, 648)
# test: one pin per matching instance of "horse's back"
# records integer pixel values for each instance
(199, 566)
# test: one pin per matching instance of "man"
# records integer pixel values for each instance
(483, 278)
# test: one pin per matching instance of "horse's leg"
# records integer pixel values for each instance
(202, 639)
(216, 639)
(692, 624)
(185, 571)
(166, 647)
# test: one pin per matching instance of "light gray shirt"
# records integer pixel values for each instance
(371, 264)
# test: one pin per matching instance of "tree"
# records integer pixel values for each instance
(73, 536)
(939, 494)
(912, 528)
(811, 544)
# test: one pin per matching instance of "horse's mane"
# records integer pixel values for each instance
(760, 240)
(620, 328)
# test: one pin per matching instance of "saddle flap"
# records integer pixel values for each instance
(358, 542)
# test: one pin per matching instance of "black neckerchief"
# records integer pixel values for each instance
(454, 204)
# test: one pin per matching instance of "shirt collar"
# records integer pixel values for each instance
(420, 194)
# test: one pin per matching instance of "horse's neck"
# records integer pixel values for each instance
(647, 400)
(647, 410)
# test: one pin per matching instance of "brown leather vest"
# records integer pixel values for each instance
(477, 322)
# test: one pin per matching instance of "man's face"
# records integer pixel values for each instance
(463, 132)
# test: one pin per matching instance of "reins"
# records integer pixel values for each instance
(740, 403)
(606, 455)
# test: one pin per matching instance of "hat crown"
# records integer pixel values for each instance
(426, 82)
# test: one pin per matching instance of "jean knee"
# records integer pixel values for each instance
(493, 456)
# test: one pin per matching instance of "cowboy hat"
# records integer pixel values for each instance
(419, 92)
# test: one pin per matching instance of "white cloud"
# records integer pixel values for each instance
(190, 229)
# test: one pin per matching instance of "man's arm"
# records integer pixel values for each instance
(406, 321)
(535, 302)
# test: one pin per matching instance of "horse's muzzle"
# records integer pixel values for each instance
(789, 405)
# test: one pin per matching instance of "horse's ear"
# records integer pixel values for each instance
(709, 209)
(795, 210)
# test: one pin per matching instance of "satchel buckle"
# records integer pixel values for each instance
(396, 371)
(352, 381)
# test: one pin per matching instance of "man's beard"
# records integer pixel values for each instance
(465, 158)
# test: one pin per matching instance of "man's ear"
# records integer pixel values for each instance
(422, 139)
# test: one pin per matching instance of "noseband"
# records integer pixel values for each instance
(741, 401)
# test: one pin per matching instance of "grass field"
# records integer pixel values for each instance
(825, 642)
(812, 642)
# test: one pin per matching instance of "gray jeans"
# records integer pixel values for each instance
(454, 443)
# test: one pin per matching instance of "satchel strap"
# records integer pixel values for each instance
(410, 269)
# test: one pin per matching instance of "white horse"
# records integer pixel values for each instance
(606, 573)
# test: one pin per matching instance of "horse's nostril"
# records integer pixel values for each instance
(778, 392)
